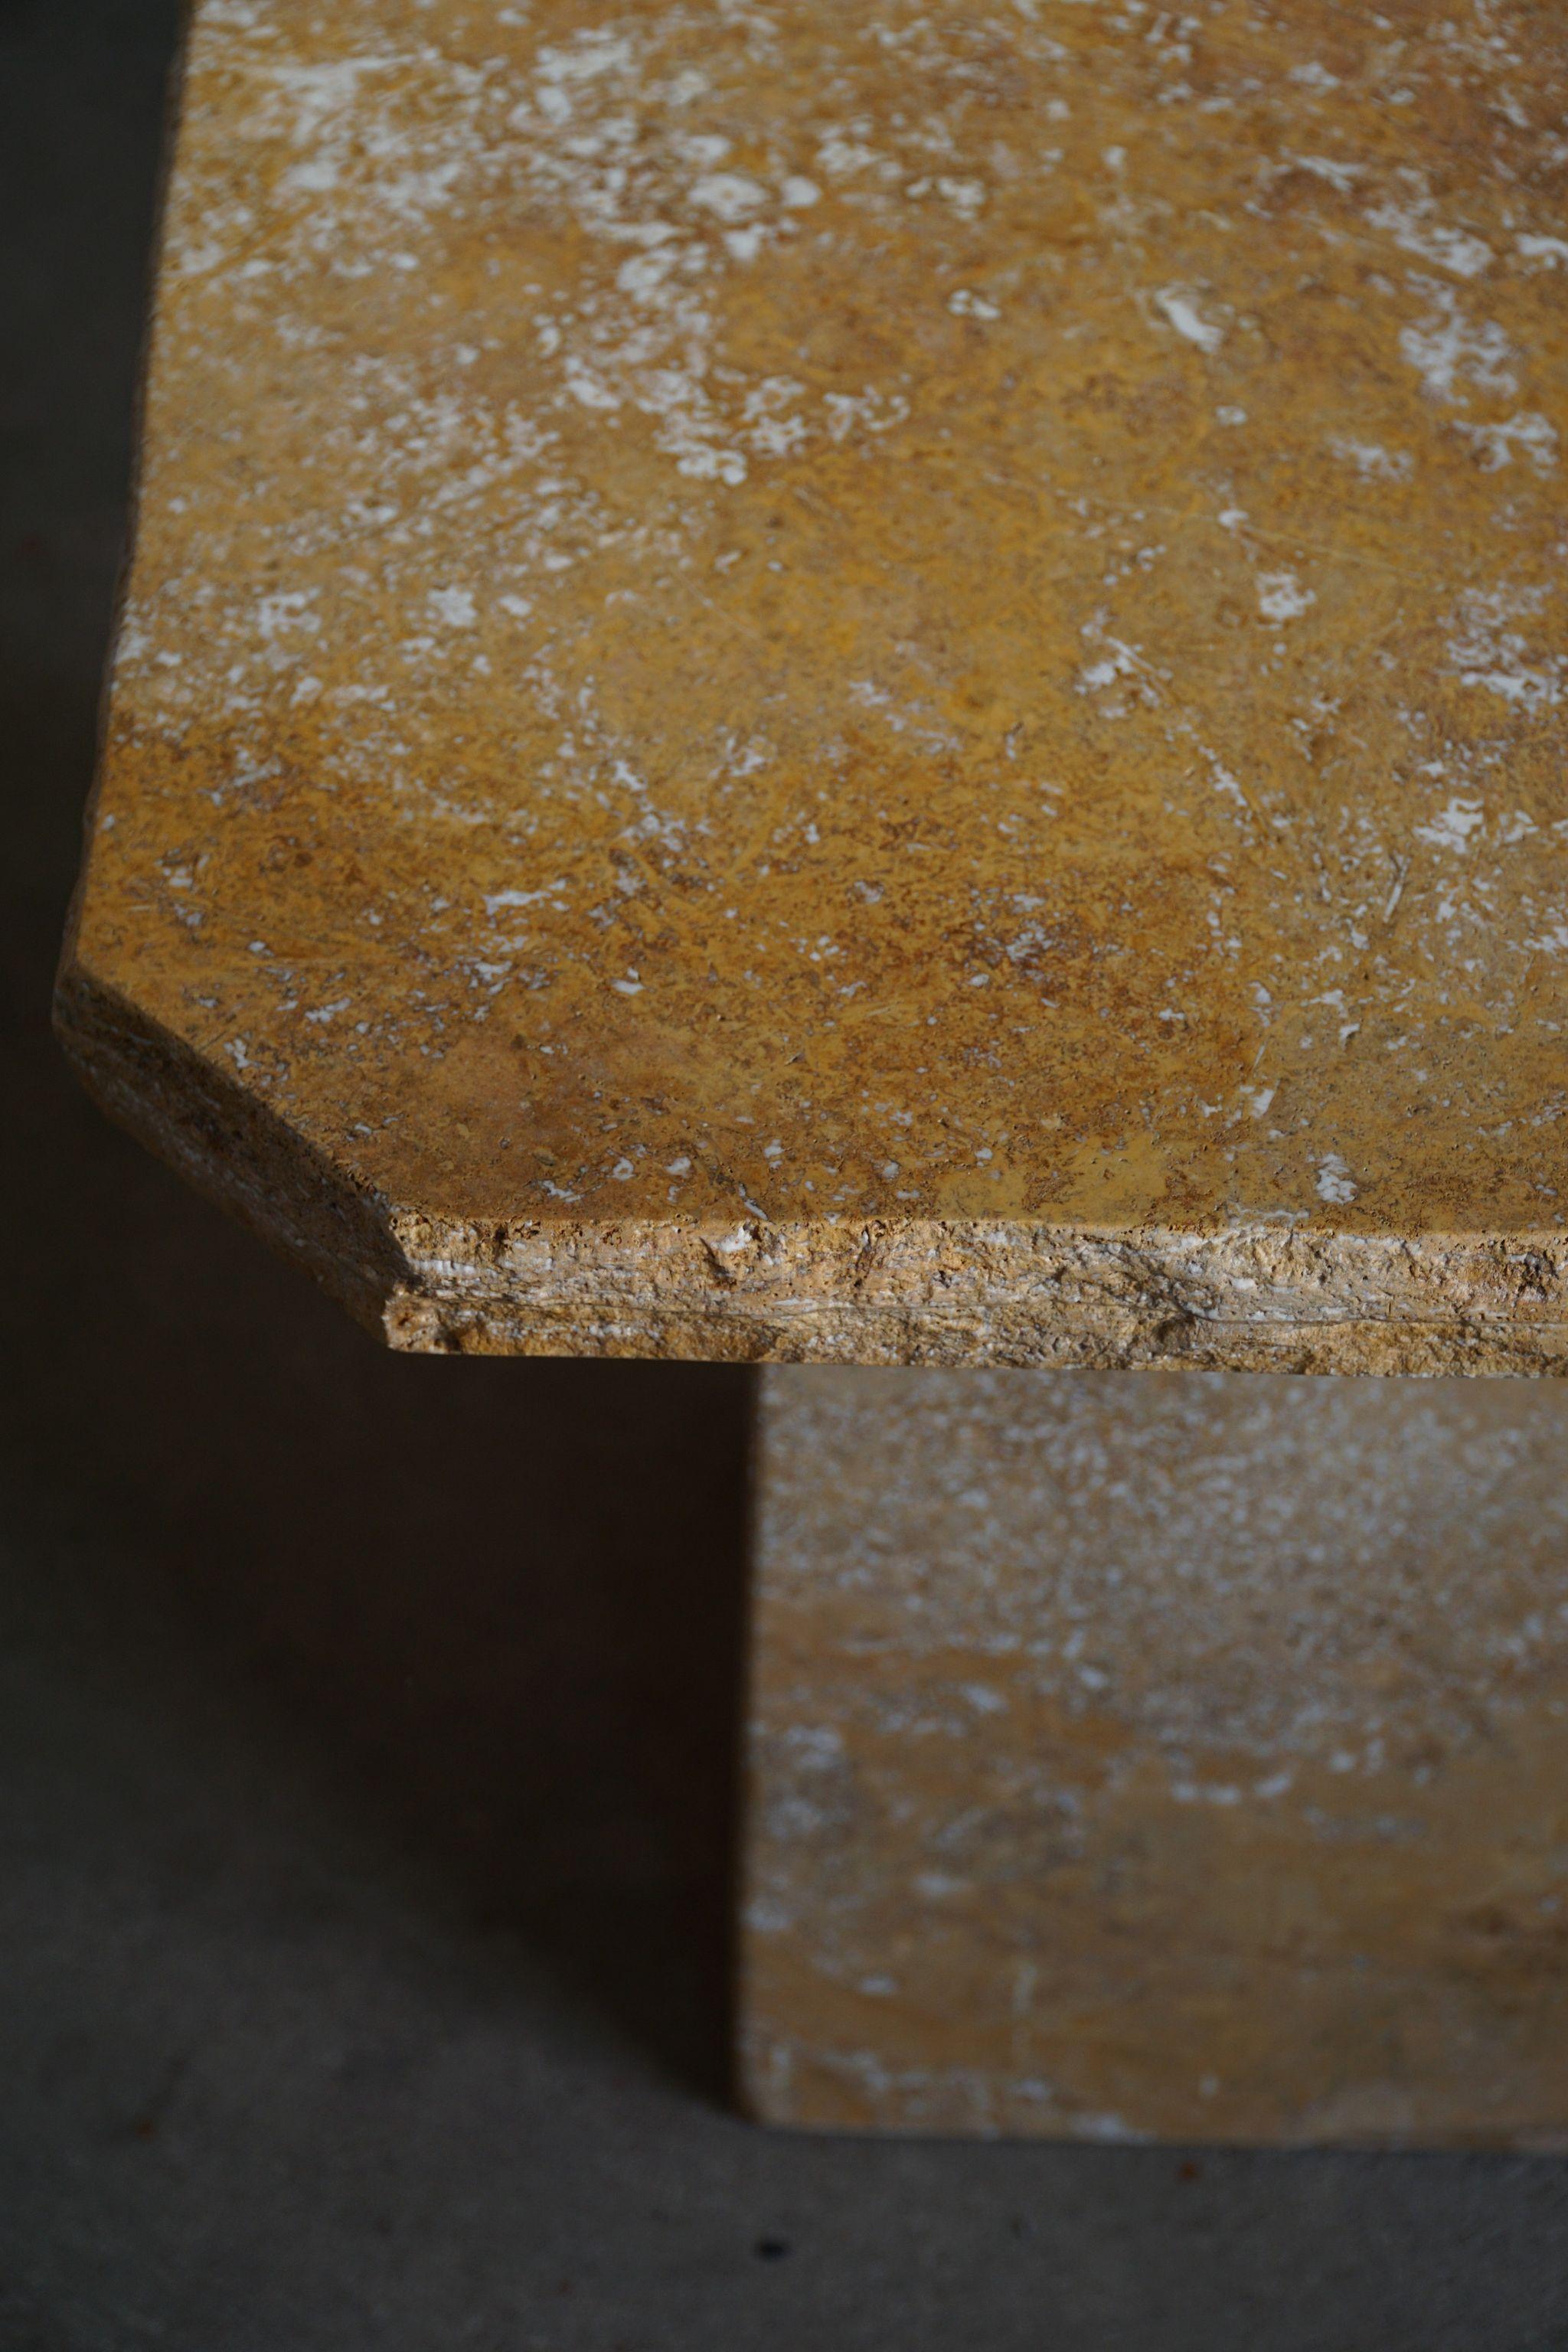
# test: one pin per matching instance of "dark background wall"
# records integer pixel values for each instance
(367, 1725)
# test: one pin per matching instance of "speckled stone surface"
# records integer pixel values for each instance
(876, 682)
(1175, 1758)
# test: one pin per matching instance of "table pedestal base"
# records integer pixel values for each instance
(1173, 1757)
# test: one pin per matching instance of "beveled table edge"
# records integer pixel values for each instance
(1267, 1296)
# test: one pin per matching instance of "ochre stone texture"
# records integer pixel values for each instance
(1182, 1758)
(872, 682)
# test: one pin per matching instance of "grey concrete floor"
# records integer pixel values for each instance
(366, 1724)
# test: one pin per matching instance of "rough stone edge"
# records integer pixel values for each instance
(1258, 1298)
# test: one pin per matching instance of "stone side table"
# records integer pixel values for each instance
(883, 688)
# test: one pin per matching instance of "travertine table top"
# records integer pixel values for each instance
(877, 681)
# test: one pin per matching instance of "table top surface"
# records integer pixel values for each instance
(808, 624)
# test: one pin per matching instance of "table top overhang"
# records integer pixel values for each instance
(875, 682)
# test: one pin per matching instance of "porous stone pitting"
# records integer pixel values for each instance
(1266, 1299)
(857, 683)
(1162, 1758)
